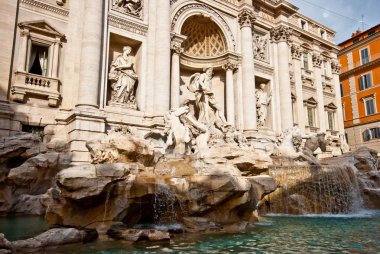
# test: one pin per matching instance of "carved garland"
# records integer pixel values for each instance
(211, 12)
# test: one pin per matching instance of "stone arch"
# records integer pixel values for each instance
(204, 37)
(186, 11)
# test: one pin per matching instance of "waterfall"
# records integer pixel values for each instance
(164, 204)
(314, 190)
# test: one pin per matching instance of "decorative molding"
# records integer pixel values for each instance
(281, 34)
(124, 24)
(317, 60)
(335, 67)
(246, 18)
(211, 12)
(260, 48)
(176, 43)
(296, 51)
(230, 65)
(133, 8)
(34, 4)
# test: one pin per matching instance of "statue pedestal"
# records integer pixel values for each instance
(122, 105)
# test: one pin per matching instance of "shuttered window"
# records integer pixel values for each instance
(365, 81)
(364, 55)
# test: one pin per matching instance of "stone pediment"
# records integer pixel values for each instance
(310, 102)
(40, 26)
(330, 106)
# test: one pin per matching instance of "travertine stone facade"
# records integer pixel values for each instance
(57, 58)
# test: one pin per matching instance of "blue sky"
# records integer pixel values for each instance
(344, 27)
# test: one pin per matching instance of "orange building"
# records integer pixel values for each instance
(359, 57)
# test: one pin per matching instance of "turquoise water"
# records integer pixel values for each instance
(358, 233)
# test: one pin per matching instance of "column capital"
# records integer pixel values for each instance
(296, 51)
(176, 43)
(317, 60)
(246, 18)
(281, 33)
(230, 65)
(335, 67)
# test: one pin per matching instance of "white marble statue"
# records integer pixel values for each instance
(208, 110)
(123, 78)
(263, 99)
(184, 132)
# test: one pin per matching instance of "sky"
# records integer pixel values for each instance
(331, 14)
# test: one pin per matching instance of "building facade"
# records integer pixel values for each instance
(360, 79)
(73, 69)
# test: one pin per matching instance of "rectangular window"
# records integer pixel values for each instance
(310, 116)
(39, 60)
(371, 33)
(370, 106)
(341, 90)
(364, 54)
(323, 34)
(365, 81)
(356, 40)
(305, 61)
(330, 118)
(303, 25)
(371, 133)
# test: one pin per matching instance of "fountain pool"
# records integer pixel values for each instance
(349, 233)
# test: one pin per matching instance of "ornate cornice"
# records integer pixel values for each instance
(246, 18)
(281, 34)
(317, 60)
(34, 4)
(124, 24)
(296, 51)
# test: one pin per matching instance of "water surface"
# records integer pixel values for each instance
(355, 233)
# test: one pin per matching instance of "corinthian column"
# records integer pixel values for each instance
(281, 35)
(176, 76)
(229, 67)
(88, 90)
(162, 58)
(246, 19)
(296, 55)
(335, 67)
(317, 62)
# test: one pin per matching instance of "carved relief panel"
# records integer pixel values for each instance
(130, 7)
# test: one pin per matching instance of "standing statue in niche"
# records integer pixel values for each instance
(123, 78)
(263, 99)
(209, 112)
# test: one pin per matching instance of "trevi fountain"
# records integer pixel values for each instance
(198, 135)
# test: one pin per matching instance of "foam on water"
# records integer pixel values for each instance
(358, 214)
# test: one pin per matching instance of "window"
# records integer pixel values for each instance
(365, 81)
(371, 133)
(325, 72)
(303, 25)
(323, 34)
(356, 40)
(346, 136)
(305, 59)
(364, 56)
(39, 60)
(331, 119)
(341, 90)
(311, 116)
(369, 106)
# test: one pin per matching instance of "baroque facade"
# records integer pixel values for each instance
(74, 69)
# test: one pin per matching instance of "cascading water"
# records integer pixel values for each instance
(164, 205)
(314, 190)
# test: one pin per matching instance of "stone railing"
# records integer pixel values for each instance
(26, 83)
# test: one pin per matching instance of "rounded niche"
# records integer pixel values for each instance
(204, 37)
